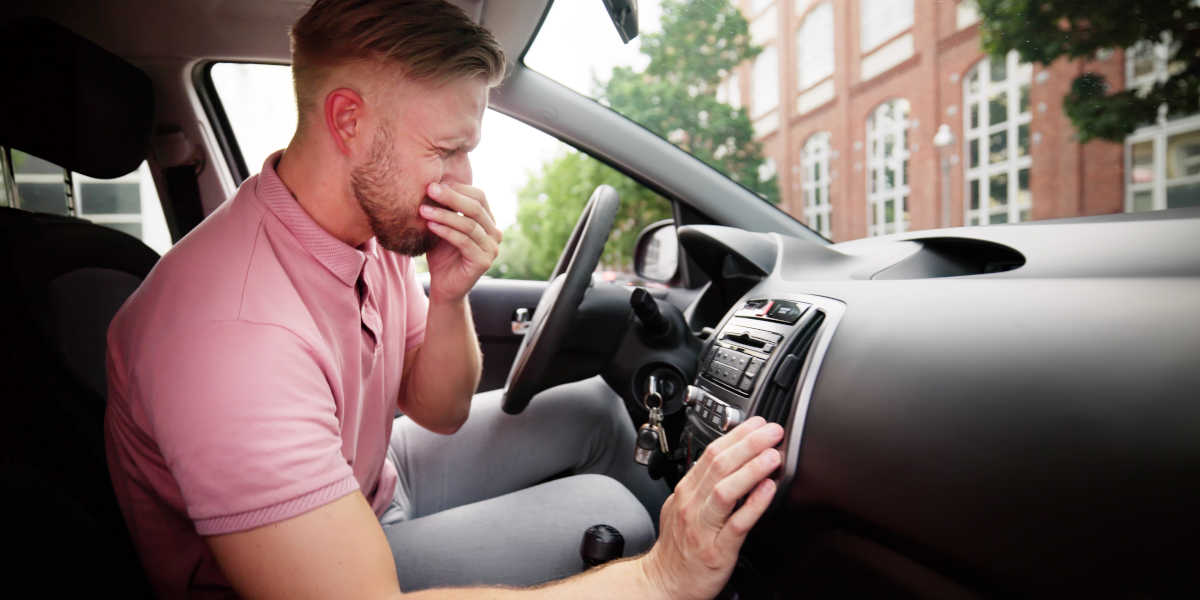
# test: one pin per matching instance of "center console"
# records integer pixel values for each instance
(762, 361)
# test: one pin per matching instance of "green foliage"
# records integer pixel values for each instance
(697, 48)
(1044, 30)
(550, 204)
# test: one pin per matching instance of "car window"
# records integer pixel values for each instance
(128, 203)
(536, 185)
(875, 117)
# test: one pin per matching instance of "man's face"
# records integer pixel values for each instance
(424, 138)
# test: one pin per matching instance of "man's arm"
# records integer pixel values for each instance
(440, 376)
(339, 550)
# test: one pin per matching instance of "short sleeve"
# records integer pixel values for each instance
(247, 425)
(416, 305)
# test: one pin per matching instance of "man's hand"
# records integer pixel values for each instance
(469, 241)
(700, 531)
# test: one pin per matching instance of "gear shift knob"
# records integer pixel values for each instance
(601, 543)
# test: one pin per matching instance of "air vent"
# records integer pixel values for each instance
(781, 387)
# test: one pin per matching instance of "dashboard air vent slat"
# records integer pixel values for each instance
(781, 387)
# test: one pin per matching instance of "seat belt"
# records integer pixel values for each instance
(182, 162)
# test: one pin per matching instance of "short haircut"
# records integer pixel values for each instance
(429, 40)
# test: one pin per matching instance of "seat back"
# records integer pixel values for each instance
(72, 103)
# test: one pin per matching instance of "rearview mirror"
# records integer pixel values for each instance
(624, 14)
(656, 254)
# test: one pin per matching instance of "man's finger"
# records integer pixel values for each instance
(470, 251)
(462, 223)
(474, 192)
(456, 200)
(729, 539)
(698, 475)
(729, 490)
(725, 462)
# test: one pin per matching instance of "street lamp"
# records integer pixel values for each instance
(943, 140)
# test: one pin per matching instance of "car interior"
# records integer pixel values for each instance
(970, 412)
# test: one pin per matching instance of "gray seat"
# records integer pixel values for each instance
(72, 103)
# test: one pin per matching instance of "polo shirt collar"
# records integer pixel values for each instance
(341, 259)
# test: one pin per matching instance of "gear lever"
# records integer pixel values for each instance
(601, 543)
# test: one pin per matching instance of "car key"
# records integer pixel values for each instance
(651, 433)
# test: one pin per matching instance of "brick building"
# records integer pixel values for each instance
(848, 94)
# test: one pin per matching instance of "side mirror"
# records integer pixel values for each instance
(656, 254)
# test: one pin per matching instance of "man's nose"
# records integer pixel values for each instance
(458, 169)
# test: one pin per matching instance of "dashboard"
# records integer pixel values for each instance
(1007, 410)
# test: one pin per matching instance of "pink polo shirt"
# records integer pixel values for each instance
(253, 377)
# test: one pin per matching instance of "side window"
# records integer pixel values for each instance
(128, 203)
(536, 185)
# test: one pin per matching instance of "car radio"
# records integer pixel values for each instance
(752, 366)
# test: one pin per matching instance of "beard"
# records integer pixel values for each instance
(379, 188)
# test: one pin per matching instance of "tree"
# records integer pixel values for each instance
(1044, 30)
(675, 97)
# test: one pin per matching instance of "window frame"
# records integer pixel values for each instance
(879, 161)
(816, 156)
(1017, 76)
(1158, 133)
(801, 60)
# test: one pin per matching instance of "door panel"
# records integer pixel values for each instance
(493, 302)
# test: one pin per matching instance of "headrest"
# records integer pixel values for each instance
(71, 102)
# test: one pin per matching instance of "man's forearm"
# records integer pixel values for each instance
(621, 579)
(445, 371)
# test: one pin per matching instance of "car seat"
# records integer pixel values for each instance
(70, 102)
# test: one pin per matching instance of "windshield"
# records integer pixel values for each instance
(873, 117)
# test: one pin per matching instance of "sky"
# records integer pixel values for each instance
(577, 44)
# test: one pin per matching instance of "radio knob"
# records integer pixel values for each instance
(733, 418)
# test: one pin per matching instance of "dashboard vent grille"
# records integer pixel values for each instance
(781, 387)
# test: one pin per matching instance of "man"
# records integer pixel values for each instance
(254, 375)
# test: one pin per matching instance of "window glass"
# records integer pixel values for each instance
(534, 194)
(814, 46)
(765, 96)
(817, 204)
(128, 203)
(1001, 174)
(967, 13)
(887, 184)
(883, 19)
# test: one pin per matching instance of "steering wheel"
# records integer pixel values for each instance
(559, 304)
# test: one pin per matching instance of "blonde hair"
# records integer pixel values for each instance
(429, 40)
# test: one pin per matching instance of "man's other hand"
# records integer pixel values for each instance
(701, 533)
(469, 240)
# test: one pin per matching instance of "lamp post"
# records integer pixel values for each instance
(943, 140)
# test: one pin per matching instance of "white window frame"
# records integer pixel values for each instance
(1157, 134)
(880, 161)
(815, 163)
(1015, 208)
(818, 26)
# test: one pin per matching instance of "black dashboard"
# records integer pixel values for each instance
(1003, 411)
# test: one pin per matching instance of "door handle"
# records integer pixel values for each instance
(520, 320)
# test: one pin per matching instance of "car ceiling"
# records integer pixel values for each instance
(153, 30)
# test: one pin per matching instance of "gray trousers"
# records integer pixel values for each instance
(483, 506)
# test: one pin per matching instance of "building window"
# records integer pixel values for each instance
(996, 122)
(128, 203)
(882, 20)
(887, 168)
(1162, 160)
(967, 14)
(814, 46)
(815, 160)
(764, 97)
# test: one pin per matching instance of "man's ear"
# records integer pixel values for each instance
(344, 113)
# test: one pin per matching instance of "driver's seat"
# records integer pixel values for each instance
(70, 102)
